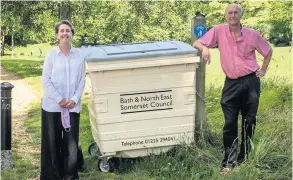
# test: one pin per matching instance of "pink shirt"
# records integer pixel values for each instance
(237, 55)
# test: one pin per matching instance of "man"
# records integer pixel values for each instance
(237, 45)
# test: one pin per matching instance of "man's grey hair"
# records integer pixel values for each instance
(238, 6)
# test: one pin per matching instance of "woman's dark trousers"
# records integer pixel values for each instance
(59, 148)
(239, 95)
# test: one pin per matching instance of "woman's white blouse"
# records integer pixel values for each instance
(63, 77)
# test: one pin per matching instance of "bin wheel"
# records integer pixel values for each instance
(94, 149)
(109, 166)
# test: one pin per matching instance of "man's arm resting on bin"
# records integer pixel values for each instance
(205, 51)
(198, 45)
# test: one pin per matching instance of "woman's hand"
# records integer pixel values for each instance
(67, 104)
(70, 104)
(63, 103)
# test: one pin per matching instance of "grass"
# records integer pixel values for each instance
(30, 52)
(26, 65)
(23, 68)
(271, 158)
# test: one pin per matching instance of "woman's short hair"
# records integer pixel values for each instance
(64, 22)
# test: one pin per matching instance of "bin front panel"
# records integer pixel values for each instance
(143, 107)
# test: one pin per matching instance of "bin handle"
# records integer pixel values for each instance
(142, 51)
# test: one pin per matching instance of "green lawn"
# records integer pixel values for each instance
(31, 52)
(271, 157)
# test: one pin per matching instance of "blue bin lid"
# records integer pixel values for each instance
(137, 50)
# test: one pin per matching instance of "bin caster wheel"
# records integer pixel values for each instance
(107, 167)
(94, 149)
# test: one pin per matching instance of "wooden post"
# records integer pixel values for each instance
(198, 29)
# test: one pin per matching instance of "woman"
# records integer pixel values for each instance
(63, 80)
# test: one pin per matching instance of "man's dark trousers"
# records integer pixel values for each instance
(239, 95)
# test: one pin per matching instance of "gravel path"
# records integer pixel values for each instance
(22, 96)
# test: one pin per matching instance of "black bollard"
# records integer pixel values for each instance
(6, 155)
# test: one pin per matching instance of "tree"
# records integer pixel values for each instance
(34, 25)
(280, 20)
(10, 18)
(2, 34)
(103, 22)
(65, 9)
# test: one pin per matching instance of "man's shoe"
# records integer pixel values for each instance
(241, 159)
(224, 171)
